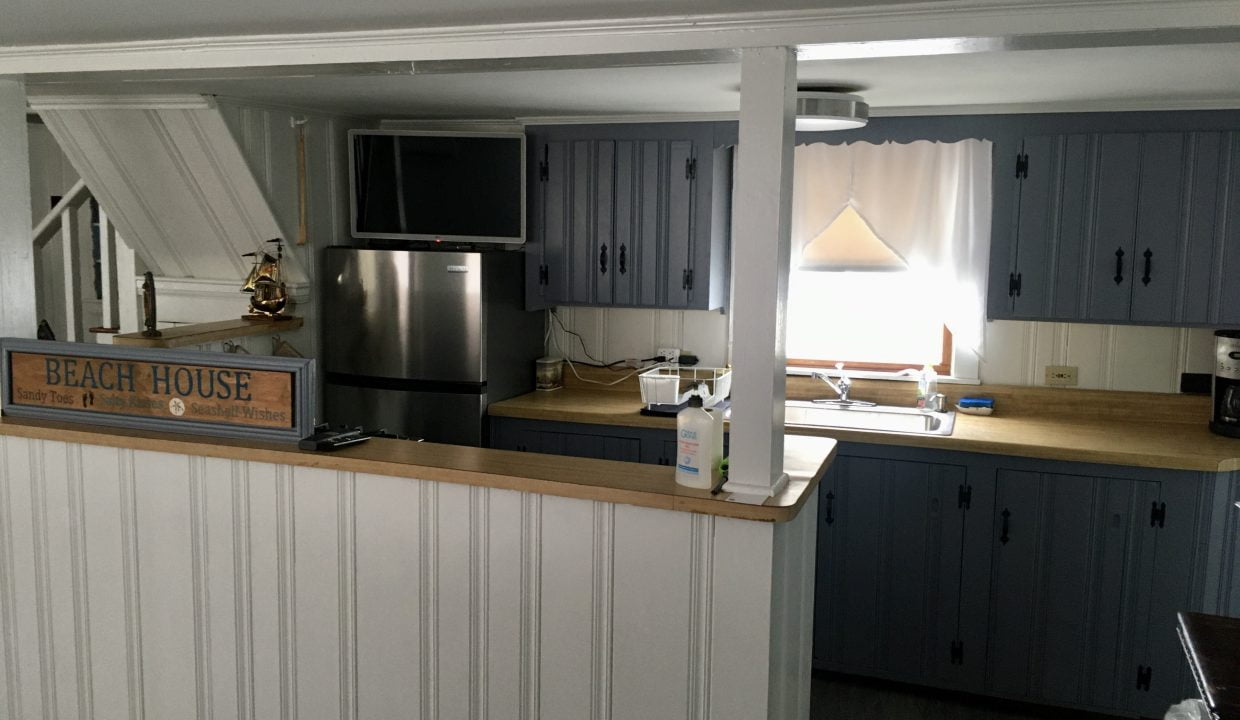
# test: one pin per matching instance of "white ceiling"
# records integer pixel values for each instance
(1154, 77)
(36, 22)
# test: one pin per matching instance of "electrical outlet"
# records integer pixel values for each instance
(1062, 375)
(670, 354)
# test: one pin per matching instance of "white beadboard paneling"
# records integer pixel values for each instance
(388, 631)
(567, 609)
(1006, 348)
(651, 655)
(58, 561)
(165, 562)
(216, 527)
(1198, 351)
(669, 328)
(1087, 350)
(263, 518)
(503, 640)
(149, 585)
(454, 634)
(740, 619)
(629, 334)
(705, 334)
(105, 565)
(316, 593)
(1144, 358)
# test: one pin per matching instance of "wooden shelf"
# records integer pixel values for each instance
(200, 333)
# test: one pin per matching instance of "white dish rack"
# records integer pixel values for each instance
(672, 385)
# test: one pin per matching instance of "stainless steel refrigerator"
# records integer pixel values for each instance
(420, 342)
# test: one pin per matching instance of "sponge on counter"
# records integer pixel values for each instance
(976, 405)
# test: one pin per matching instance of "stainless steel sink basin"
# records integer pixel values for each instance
(881, 417)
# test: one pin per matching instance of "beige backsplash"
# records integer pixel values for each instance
(1108, 357)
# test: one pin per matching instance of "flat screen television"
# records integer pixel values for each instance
(457, 187)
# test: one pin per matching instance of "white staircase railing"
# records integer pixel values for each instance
(117, 266)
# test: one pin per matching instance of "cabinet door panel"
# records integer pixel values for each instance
(1159, 230)
(604, 243)
(651, 208)
(1067, 586)
(535, 241)
(1051, 225)
(1204, 249)
(679, 237)
(1114, 227)
(555, 223)
(889, 559)
(1228, 291)
(627, 234)
(581, 221)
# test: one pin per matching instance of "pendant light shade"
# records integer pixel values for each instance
(820, 110)
(849, 244)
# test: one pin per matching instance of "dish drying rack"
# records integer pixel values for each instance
(666, 390)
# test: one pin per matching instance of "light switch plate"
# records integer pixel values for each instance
(1062, 375)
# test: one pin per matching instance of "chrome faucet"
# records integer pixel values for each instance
(841, 386)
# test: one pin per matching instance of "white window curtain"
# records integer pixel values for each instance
(929, 201)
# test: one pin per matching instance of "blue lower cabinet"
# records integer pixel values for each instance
(1035, 580)
(890, 576)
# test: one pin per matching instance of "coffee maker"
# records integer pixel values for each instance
(1226, 420)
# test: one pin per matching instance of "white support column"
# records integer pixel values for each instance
(69, 242)
(760, 257)
(17, 281)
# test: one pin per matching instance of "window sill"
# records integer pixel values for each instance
(875, 375)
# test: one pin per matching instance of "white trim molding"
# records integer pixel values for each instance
(949, 18)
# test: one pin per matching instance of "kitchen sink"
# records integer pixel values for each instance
(884, 418)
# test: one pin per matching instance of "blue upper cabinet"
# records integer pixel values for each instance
(628, 216)
(1124, 228)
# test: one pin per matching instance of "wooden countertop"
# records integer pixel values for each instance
(1053, 432)
(805, 461)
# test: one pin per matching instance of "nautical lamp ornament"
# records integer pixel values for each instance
(821, 110)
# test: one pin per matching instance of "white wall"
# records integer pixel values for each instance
(1108, 357)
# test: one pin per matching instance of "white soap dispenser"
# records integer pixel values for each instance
(716, 451)
(694, 442)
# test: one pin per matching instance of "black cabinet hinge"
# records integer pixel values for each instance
(964, 497)
(686, 279)
(1014, 282)
(1144, 675)
(690, 168)
(543, 275)
(1158, 514)
(957, 652)
(1022, 165)
(544, 168)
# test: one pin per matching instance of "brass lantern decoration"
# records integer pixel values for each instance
(268, 296)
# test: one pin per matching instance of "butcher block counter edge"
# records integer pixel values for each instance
(805, 461)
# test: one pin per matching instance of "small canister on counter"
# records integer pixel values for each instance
(549, 373)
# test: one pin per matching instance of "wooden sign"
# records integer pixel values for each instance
(176, 391)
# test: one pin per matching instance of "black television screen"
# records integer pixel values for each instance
(464, 187)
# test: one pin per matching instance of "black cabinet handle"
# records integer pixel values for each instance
(624, 264)
(1119, 265)
(602, 260)
(684, 279)
(1003, 536)
(1149, 256)
(830, 508)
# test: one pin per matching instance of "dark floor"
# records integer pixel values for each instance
(842, 697)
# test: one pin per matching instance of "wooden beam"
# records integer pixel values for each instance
(760, 256)
(17, 283)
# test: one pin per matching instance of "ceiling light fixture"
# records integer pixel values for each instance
(819, 110)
